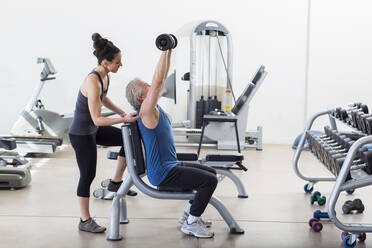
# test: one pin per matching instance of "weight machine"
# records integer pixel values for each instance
(209, 77)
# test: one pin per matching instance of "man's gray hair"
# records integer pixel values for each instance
(133, 91)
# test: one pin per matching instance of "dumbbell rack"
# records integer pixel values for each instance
(343, 182)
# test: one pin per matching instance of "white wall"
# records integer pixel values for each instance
(340, 54)
(268, 32)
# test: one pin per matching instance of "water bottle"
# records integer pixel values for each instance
(228, 100)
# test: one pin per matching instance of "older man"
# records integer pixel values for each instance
(163, 168)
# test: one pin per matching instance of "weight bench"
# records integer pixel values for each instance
(14, 172)
(222, 163)
(137, 168)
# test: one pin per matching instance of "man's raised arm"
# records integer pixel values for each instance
(158, 80)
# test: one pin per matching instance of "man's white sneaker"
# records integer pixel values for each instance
(197, 230)
(201, 221)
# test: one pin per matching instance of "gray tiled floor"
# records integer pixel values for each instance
(46, 214)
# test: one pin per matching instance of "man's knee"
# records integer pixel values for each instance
(212, 181)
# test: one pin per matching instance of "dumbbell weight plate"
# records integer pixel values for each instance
(364, 108)
(175, 40)
(315, 225)
(164, 42)
(347, 207)
(358, 205)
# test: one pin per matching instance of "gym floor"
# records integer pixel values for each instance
(46, 214)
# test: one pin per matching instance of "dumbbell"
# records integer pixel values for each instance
(338, 110)
(332, 159)
(343, 155)
(320, 215)
(361, 122)
(368, 124)
(361, 237)
(353, 112)
(357, 112)
(338, 137)
(350, 206)
(166, 41)
(315, 225)
(328, 151)
(363, 161)
(321, 139)
(336, 165)
(364, 123)
(316, 197)
(331, 136)
(342, 112)
(321, 146)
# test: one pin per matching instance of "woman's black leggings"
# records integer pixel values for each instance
(85, 147)
(196, 177)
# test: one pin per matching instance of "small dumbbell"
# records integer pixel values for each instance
(337, 160)
(363, 161)
(342, 112)
(315, 225)
(328, 152)
(368, 124)
(361, 122)
(350, 206)
(361, 237)
(320, 215)
(362, 109)
(355, 117)
(166, 41)
(316, 197)
(350, 106)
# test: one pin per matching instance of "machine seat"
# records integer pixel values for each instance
(218, 157)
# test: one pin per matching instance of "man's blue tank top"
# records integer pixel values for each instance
(161, 154)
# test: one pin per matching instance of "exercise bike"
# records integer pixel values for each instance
(37, 129)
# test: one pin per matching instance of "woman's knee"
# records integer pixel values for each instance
(87, 179)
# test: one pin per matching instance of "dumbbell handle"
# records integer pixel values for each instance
(354, 162)
(358, 166)
(353, 109)
(318, 214)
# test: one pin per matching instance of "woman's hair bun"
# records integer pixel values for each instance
(103, 48)
(96, 37)
(99, 43)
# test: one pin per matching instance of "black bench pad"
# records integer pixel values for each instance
(187, 156)
(224, 157)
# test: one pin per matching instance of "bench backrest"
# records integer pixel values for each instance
(137, 150)
(250, 90)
